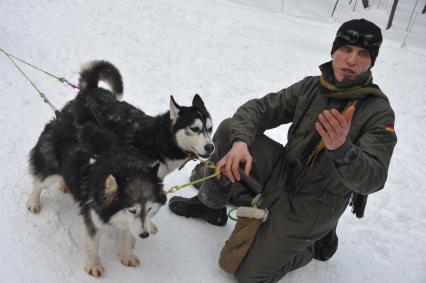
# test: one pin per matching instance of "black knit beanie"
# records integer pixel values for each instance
(360, 33)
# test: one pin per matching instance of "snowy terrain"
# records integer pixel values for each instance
(228, 51)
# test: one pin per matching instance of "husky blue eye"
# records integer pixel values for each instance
(132, 211)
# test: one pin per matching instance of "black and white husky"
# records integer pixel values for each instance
(112, 185)
(168, 139)
(112, 157)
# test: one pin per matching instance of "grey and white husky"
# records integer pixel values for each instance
(112, 185)
(112, 157)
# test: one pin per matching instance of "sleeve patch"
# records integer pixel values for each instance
(389, 128)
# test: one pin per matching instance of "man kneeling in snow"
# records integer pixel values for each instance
(339, 148)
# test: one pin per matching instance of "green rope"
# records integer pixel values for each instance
(212, 166)
(229, 214)
(254, 205)
(42, 95)
(178, 187)
(62, 80)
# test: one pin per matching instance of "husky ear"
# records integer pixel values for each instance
(197, 102)
(174, 109)
(111, 188)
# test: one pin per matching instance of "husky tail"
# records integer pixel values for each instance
(95, 71)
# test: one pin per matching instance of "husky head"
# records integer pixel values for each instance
(133, 197)
(192, 127)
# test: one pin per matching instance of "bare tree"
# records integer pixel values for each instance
(424, 9)
(408, 32)
(365, 3)
(411, 16)
(334, 9)
(392, 14)
(356, 1)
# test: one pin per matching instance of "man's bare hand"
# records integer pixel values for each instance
(334, 127)
(229, 164)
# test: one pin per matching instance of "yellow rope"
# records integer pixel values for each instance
(313, 156)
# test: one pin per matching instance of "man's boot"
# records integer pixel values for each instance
(240, 193)
(326, 246)
(192, 207)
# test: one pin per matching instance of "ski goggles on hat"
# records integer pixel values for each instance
(353, 36)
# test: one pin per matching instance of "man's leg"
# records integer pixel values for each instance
(277, 248)
(326, 247)
(210, 203)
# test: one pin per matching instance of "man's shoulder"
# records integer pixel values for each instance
(379, 101)
(304, 84)
(376, 105)
(311, 79)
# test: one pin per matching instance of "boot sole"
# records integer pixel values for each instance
(181, 211)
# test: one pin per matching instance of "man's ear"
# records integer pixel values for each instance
(174, 109)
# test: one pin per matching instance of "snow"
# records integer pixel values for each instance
(228, 51)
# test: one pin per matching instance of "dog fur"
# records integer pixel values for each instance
(112, 158)
(168, 139)
(112, 185)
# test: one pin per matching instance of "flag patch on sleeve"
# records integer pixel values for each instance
(389, 128)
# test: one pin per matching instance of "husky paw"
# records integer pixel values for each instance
(33, 206)
(95, 270)
(130, 260)
(63, 188)
(153, 229)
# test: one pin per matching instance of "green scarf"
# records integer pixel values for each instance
(362, 86)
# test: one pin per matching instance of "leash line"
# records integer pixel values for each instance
(60, 79)
(209, 164)
(40, 93)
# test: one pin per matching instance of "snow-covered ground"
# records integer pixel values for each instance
(228, 51)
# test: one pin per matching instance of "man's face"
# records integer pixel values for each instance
(349, 61)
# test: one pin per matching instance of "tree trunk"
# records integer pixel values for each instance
(365, 3)
(334, 9)
(392, 14)
(424, 9)
(411, 16)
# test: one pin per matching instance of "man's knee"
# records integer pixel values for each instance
(243, 276)
(246, 276)
(221, 140)
(250, 271)
(222, 132)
